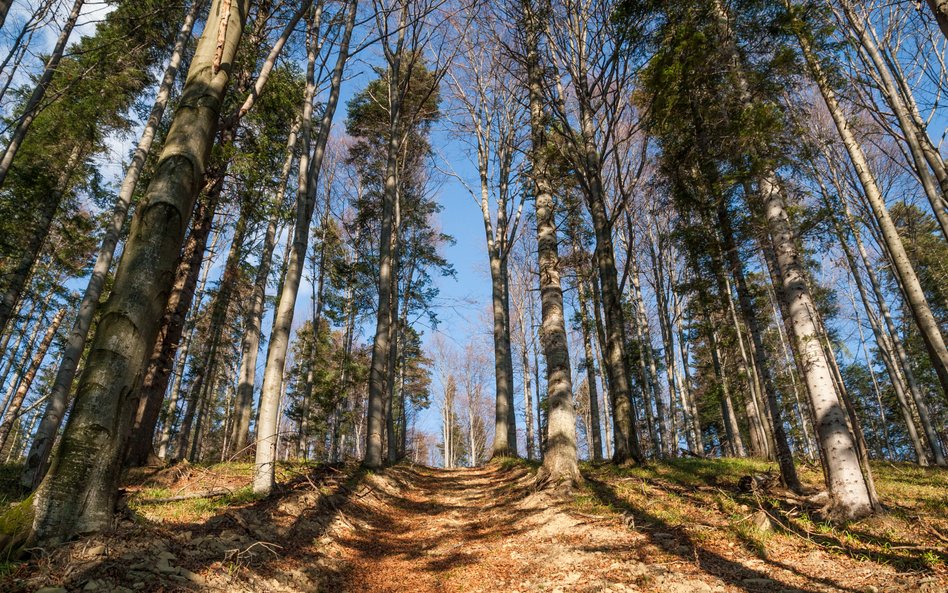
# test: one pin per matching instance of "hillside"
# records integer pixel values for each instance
(680, 527)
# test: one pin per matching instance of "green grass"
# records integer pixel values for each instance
(701, 496)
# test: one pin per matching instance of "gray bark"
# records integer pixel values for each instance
(250, 345)
(560, 463)
(844, 477)
(940, 10)
(4, 9)
(898, 370)
(788, 472)
(595, 444)
(268, 423)
(42, 444)
(902, 266)
(381, 346)
(937, 196)
(79, 492)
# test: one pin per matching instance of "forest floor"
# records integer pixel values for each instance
(679, 527)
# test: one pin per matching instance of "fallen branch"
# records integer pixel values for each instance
(205, 494)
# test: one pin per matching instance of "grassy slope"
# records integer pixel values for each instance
(694, 500)
(702, 497)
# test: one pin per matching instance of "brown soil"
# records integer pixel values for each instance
(420, 530)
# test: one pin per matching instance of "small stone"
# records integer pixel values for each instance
(52, 590)
(166, 556)
(92, 585)
(138, 585)
(762, 521)
(98, 550)
(191, 576)
(165, 568)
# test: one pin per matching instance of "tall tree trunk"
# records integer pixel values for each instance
(847, 485)
(503, 445)
(616, 360)
(527, 397)
(381, 346)
(393, 335)
(250, 345)
(731, 429)
(26, 381)
(659, 428)
(689, 406)
(590, 364)
(79, 492)
(560, 463)
(893, 367)
(911, 132)
(31, 109)
(940, 10)
(4, 9)
(161, 361)
(788, 471)
(268, 423)
(902, 266)
(165, 446)
(38, 456)
(668, 347)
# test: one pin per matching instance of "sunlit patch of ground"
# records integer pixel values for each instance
(677, 527)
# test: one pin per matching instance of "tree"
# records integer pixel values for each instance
(560, 466)
(42, 443)
(80, 489)
(310, 165)
(486, 96)
(407, 98)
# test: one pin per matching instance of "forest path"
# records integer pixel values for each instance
(415, 529)
(487, 530)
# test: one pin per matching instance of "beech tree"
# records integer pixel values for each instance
(80, 489)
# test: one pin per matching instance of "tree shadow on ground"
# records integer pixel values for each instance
(268, 539)
(682, 544)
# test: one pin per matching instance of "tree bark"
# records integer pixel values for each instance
(590, 364)
(788, 471)
(250, 345)
(659, 428)
(899, 369)
(79, 492)
(560, 463)
(668, 346)
(4, 9)
(268, 418)
(381, 346)
(902, 266)
(38, 457)
(731, 428)
(911, 131)
(847, 485)
(940, 10)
